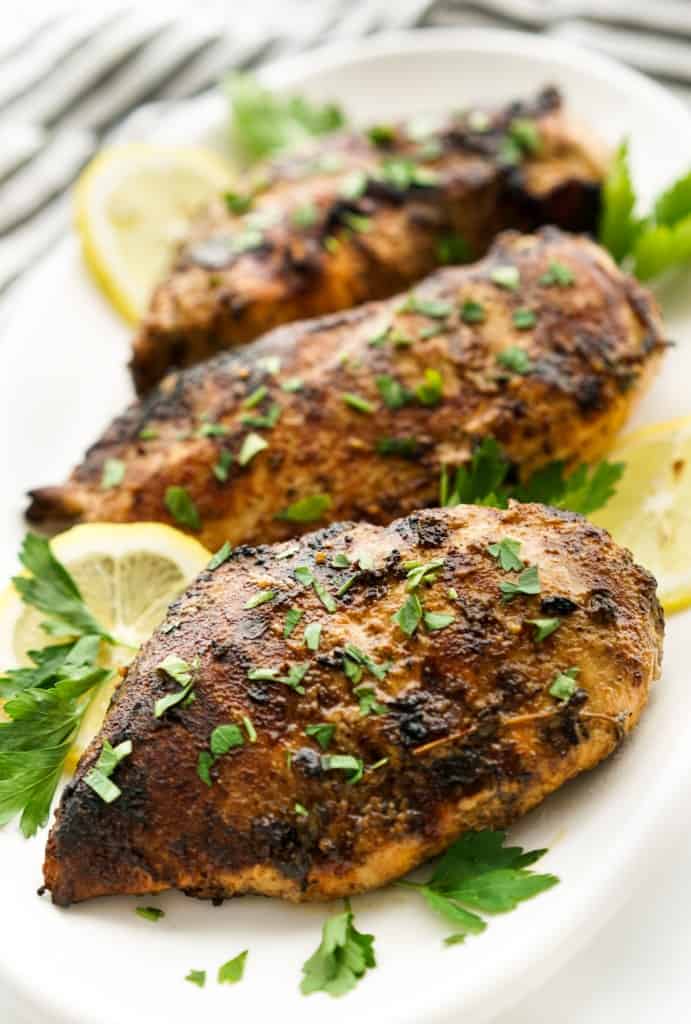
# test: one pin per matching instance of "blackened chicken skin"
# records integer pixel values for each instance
(467, 732)
(371, 424)
(352, 220)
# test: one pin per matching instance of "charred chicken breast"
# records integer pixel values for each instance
(543, 345)
(362, 217)
(417, 702)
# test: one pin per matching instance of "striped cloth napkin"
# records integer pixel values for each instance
(72, 81)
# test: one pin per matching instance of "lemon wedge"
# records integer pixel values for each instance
(651, 511)
(128, 574)
(133, 206)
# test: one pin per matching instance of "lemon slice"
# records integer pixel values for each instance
(133, 207)
(128, 574)
(651, 511)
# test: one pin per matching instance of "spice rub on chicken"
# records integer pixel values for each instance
(354, 700)
(544, 345)
(360, 217)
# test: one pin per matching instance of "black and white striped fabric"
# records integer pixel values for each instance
(85, 76)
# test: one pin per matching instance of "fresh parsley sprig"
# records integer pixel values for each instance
(342, 958)
(483, 481)
(648, 245)
(480, 873)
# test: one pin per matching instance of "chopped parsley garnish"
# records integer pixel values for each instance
(98, 778)
(381, 134)
(150, 913)
(345, 586)
(232, 971)
(303, 574)
(293, 616)
(357, 402)
(558, 274)
(238, 202)
(438, 620)
(222, 468)
(223, 739)
(292, 384)
(197, 978)
(367, 699)
(356, 221)
(300, 810)
(473, 312)
(431, 391)
(409, 615)
(419, 572)
(544, 628)
(182, 508)
(264, 122)
(305, 216)
(306, 510)
(255, 397)
(296, 673)
(340, 561)
(528, 583)
(354, 185)
(251, 446)
(404, 447)
(506, 277)
(322, 733)
(342, 958)
(355, 766)
(182, 672)
(113, 473)
(356, 656)
(524, 319)
(148, 434)
(271, 364)
(249, 728)
(312, 635)
(506, 553)
(515, 359)
(324, 596)
(261, 597)
(564, 685)
(479, 873)
(269, 419)
(404, 174)
(208, 429)
(525, 133)
(435, 308)
(221, 556)
(453, 249)
(393, 393)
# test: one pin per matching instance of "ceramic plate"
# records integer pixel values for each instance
(62, 377)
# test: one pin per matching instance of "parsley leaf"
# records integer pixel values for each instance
(453, 249)
(368, 663)
(357, 402)
(98, 778)
(293, 678)
(558, 274)
(479, 873)
(113, 473)
(395, 396)
(221, 556)
(232, 971)
(506, 277)
(312, 635)
(221, 469)
(264, 122)
(293, 616)
(506, 553)
(306, 510)
(564, 685)
(408, 615)
(261, 597)
(438, 620)
(430, 392)
(197, 978)
(419, 573)
(251, 446)
(524, 319)
(544, 628)
(618, 226)
(182, 508)
(342, 958)
(515, 358)
(367, 699)
(528, 583)
(346, 763)
(182, 672)
(149, 913)
(51, 589)
(473, 312)
(322, 733)
(402, 447)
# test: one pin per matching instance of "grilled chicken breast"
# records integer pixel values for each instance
(459, 725)
(361, 409)
(356, 219)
